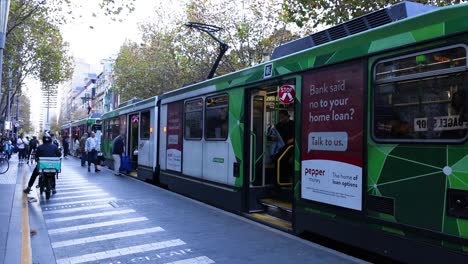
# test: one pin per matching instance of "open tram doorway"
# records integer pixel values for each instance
(271, 154)
(132, 144)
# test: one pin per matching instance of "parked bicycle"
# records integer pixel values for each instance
(4, 163)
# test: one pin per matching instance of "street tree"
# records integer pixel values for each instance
(314, 13)
(34, 49)
(173, 55)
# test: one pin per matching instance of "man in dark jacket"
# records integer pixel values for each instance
(117, 151)
(47, 149)
(32, 146)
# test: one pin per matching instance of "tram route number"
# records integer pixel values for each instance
(439, 123)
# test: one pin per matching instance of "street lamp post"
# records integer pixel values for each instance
(4, 10)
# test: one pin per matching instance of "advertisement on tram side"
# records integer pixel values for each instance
(174, 136)
(332, 141)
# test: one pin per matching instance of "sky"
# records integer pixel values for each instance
(96, 38)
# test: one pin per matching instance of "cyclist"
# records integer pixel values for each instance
(47, 149)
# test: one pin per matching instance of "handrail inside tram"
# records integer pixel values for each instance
(278, 168)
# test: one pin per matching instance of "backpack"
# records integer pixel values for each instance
(33, 143)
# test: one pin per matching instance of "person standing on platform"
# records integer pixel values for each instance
(92, 148)
(66, 145)
(117, 151)
(82, 149)
(20, 142)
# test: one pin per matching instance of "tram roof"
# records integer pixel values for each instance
(432, 24)
(137, 106)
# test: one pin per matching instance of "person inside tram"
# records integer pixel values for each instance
(47, 149)
(285, 128)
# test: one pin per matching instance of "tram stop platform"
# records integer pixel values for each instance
(98, 217)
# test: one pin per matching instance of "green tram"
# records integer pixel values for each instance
(76, 129)
(135, 120)
(380, 153)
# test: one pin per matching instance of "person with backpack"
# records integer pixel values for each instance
(33, 143)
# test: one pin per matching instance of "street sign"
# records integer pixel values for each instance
(287, 93)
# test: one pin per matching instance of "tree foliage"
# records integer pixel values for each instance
(35, 47)
(312, 13)
(173, 55)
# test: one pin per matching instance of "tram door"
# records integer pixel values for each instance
(134, 121)
(145, 155)
(257, 139)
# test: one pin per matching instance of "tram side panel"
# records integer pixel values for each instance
(196, 153)
(404, 194)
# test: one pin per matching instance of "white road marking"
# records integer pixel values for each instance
(121, 252)
(101, 224)
(81, 187)
(80, 196)
(72, 182)
(197, 260)
(70, 218)
(77, 209)
(79, 202)
(85, 240)
(83, 191)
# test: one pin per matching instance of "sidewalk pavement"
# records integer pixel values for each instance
(11, 193)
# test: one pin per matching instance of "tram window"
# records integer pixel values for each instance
(216, 118)
(420, 110)
(421, 63)
(145, 125)
(193, 123)
(114, 128)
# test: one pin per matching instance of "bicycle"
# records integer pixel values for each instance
(49, 168)
(4, 163)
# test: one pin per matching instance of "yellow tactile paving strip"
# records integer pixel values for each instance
(25, 239)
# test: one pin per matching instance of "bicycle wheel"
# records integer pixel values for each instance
(4, 165)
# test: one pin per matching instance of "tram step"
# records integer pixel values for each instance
(270, 202)
(271, 221)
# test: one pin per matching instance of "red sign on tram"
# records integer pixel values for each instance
(287, 93)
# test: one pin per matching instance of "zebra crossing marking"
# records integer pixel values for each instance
(82, 191)
(80, 196)
(85, 240)
(101, 224)
(196, 260)
(79, 202)
(70, 218)
(121, 252)
(76, 209)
